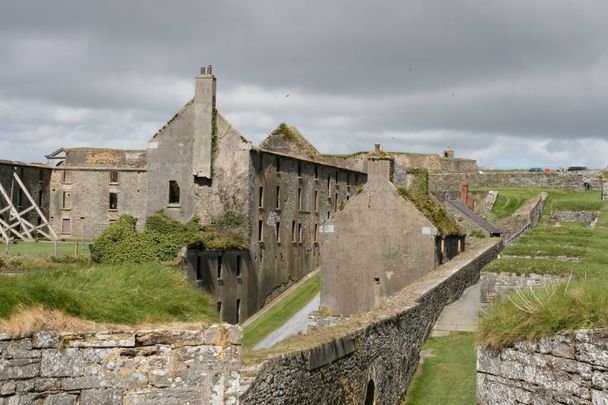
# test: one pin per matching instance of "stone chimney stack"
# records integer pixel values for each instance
(204, 112)
(378, 168)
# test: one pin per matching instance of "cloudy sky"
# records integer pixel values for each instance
(512, 83)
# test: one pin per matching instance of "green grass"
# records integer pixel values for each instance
(46, 249)
(510, 199)
(448, 377)
(126, 294)
(582, 303)
(284, 310)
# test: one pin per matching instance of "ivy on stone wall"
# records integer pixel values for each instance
(163, 238)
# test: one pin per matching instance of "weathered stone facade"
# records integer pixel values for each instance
(572, 181)
(122, 367)
(378, 244)
(379, 348)
(568, 368)
(495, 286)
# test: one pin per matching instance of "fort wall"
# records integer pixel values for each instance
(568, 368)
(128, 367)
(571, 181)
(375, 352)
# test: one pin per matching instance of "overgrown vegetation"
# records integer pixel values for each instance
(16, 264)
(448, 376)
(580, 303)
(125, 294)
(432, 210)
(292, 135)
(277, 316)
(163, 237)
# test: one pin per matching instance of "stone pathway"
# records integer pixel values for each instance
(296, 324)
(461, 315)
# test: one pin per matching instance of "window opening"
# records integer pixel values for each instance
(277, 202)
(238, 265)
(113, 201)
(293, 231)
(278, 230)
(260, 230)
(238, 311)
(261, 197)
(173, 192)
(219, 266)
(113, 176)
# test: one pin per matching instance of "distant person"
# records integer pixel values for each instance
(587, 183)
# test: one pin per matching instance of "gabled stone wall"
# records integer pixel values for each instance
(131, 367)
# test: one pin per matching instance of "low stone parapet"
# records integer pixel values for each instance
(569, 368)
(122, 367)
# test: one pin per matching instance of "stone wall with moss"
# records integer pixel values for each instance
(337, 364)
(130, 367)
(568, 368)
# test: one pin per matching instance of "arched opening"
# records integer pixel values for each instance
(370, 393)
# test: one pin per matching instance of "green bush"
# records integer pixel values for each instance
(163, 237)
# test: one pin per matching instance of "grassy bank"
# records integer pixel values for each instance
(127, 294)
(448, 376)
(44, 248)
(580, 303)
(284, 310)
(510, 199)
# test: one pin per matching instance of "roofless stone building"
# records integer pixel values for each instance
(199, 165)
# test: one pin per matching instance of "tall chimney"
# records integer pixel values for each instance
(376, 147)
(204, 109)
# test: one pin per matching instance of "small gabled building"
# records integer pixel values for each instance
(384, 238)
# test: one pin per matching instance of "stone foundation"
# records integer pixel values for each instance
(566, 369)
(585, 217)
(141, 367)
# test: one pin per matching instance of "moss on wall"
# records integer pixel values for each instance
(433, 211)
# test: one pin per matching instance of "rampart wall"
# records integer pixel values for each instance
(572, 181)
(569, 368)
(375, 352)
(142, 367)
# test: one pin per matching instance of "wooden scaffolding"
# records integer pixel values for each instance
(12, 219)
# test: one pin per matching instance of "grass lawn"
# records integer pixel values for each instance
(284, 310)
(510, 199)
(125, 294)
(448, 377)
(44, 248)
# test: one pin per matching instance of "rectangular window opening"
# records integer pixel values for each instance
(261, 197)
(316, 231)
(299, 169)
(65, 226)
(173, 192)
(316, 202)
(260, 230)
(300, 199)
(278, 163)
(316, 172)
(238, 266)
(277, 202)
(328, 183)
(336, 203)
(114, 177)
(278, 230)
(199, 268)
(238, 311)
(65, 176)
(219, 266)
(219, 309)
(293, 231)
(299, 232)
(113, 201)
(66, 203)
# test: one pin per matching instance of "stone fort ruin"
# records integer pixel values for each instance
(199, 165)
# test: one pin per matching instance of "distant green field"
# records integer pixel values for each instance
(46, 248)
(510, 199)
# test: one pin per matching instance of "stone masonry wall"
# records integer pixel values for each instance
(495, 286)
(586, 217)
(143, 367)
(569, 368)
(381, 346)
(572, 181)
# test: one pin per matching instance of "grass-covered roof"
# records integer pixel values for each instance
(433, 211)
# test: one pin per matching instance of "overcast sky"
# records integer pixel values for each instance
(511, 83)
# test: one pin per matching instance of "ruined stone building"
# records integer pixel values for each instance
(199, 165)
(384, 238)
